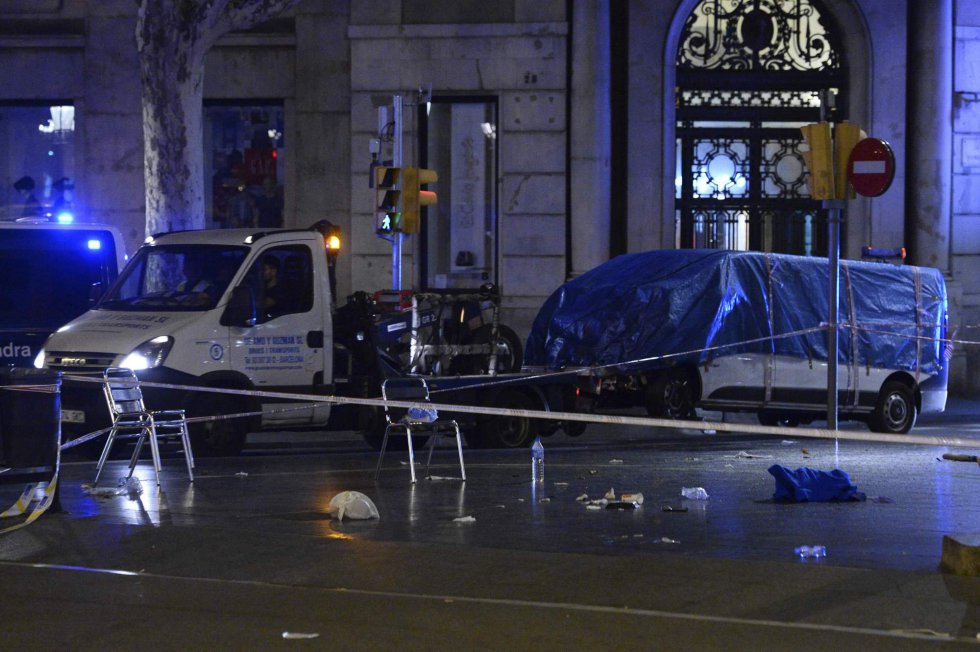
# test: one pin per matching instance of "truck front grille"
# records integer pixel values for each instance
(79, 362)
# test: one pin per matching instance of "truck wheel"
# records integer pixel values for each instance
(506, 431)
(574, 428)
(371, 423)
(221, 437)
(767, 418)
(895, 410)
(671, 395)
(510, 353)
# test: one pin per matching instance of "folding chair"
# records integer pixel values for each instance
(414, 390)
(131, 418)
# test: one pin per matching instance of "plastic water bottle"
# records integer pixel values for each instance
(537, 461)
(811, 552)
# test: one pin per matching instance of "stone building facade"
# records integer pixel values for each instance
(581, 158)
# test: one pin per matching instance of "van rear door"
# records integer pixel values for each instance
(49, 274)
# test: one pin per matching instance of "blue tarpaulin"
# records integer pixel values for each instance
(809, 485)
(646, 305)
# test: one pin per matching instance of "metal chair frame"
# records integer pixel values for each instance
(414, 389)
(130, 418)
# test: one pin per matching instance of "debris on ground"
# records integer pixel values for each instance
(694, 493)
(465, 519)
(353, 505)
(131, 487)
(666, 540)
(953, 457)
(671, 508)
(300, 635)
(745, 455)
(241, 474)
(610, 495)
(811, 552)
(632, 497)
(615, 461)
(583, 498)
(620, 505)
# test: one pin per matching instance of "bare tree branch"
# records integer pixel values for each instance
(245, 14)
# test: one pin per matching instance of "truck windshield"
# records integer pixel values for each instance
(48, 274)
(175, 278)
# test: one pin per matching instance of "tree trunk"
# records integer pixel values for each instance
(172, 74)
(173, 37)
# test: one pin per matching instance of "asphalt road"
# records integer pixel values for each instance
(248, 552)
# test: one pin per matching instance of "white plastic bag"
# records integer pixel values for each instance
(352, 504)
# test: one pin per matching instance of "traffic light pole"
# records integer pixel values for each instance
(398, 238)
(834, 208)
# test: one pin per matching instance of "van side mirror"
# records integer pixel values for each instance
(240, 310)
(95, 293)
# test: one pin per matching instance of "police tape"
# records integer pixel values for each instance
(30, 492)
(607, 419)
(27, 496)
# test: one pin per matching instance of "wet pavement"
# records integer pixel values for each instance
(248, 551)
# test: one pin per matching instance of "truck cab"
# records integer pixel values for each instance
(52, 273)
(237, 309)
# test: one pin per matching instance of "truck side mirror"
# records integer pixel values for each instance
(240, 310)
(94, 293)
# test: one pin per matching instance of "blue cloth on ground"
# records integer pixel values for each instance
(804, 484)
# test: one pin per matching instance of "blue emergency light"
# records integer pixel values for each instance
(65, 218)
(94, 245)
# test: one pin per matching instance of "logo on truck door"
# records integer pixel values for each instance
(276, 352)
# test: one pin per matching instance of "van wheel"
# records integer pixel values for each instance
(895, 410)
(506, 431)
(221, 437)
(671, 395)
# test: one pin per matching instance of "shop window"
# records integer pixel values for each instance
(459, 233)
(37, 168)
(244, 151)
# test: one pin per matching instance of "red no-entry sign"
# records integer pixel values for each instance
(871, 167)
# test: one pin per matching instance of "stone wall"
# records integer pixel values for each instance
(523, 65)
(965, 222)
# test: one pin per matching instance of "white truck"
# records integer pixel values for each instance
(199, 308)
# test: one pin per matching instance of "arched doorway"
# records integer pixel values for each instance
(749, 73)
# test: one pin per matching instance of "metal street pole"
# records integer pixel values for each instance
(834, 208)
(398, 237)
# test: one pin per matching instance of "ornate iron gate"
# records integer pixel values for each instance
(750, 73)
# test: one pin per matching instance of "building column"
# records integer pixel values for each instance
(930, 144)
(590, 145)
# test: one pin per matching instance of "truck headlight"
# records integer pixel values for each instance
(149, 354)
(39, 359)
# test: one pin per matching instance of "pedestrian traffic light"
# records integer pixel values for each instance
(388, 200)
(414, 197)
(819, 160)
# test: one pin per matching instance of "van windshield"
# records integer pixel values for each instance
(48, 274)
(175, 278)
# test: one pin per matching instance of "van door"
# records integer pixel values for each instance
(284, 350)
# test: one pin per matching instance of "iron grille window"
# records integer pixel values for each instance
(750, 73)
